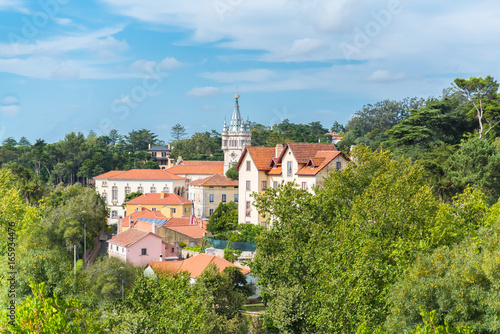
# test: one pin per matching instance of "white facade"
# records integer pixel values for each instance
(114, 191)
(290, 169)
(235, 137)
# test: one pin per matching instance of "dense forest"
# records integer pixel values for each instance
(405, 239)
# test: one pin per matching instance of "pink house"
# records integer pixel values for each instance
(139, 247)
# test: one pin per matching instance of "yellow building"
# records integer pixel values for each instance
(170, 205)
(209, 192)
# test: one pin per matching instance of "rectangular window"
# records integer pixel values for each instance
(211, 198)
(223, 198)
(164, 154)
(153, 209)
(140, 189)
(248, 185)
(105, 197)
(275, 184)
(236, 198)
(339, 165)
(144, 251)
(185, 210)
(172, 250)
(264, 185)
(165, 189)
(104, 183)
(127, 190)
(289, 168)
(304, 185)
(114, 214)
(248, 165)
(114, 193)
(153, 190)
(174, 210)
(210, 212)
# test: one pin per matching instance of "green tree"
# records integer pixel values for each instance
(232, 173)
(41, 313)
(130, 197)
(178, 132)
(224, 218)
(482, 93)
(475, 163)
(459, 283)
(141, 139)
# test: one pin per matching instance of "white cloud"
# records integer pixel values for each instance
(203, 92)
(63, 21)
(257, 75)
(169, 63)
(304, 46)
(13, 5)
(10, 100)
(10, 110)
(385, 76)
(65, 73)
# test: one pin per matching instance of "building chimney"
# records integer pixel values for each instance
(168, 146)
(149, 145)
(131, 223)
(153, 228)
(279, 148)
(163, 194)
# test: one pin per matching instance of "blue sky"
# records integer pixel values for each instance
(68, 65)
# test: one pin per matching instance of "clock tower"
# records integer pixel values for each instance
(235, 137)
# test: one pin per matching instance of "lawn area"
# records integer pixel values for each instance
(254, 308)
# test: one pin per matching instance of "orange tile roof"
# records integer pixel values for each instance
(129, 237)
(261, 156)
(109, 174)
(214, 180)
(185, 221)
(303, 151)
(140, 174)
(198, 167)
(275, 171)
(156, 198)
(194, 265)
(320, 161)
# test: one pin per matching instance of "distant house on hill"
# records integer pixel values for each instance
(195, 267)
(161, 154)
(195, 170)
(303, 163)
(209, 192)
(170, 205)
(113, 186)
(139, 247)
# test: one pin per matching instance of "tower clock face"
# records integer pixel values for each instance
(233, 154)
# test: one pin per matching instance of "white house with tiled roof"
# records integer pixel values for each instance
(113, 186)
(196, 170)
(303, 163)
(209, 192)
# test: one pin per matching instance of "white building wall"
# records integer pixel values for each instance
(105, 186)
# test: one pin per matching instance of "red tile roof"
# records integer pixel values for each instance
(261, 156)
(275, 171)
(198, 167)
(156, 198)
(109, 174)
(140, 174)
(214, 180)
(194, 265)
(129, 237)
(144, 213)
(320, 161)
(304, 151)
